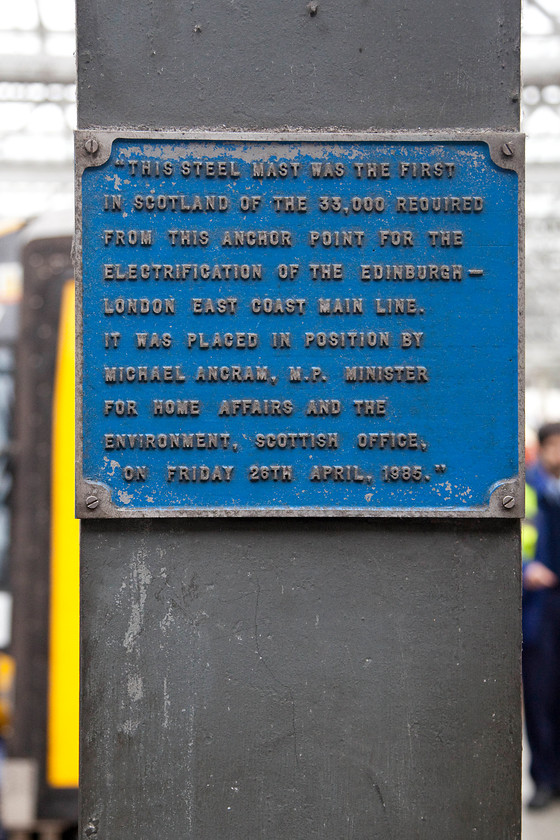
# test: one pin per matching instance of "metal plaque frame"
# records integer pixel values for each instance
(94, 148)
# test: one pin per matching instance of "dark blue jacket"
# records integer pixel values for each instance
(548, 517)
(547, 551)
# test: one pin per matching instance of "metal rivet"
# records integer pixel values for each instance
(507, 149)
(92, 502)
(197, 28)
(508, 501)
(91, 145)
(312, 8)
(91, 828)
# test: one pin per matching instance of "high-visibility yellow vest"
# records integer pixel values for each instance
(529, 532)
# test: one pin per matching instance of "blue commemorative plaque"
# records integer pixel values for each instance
(298, 325)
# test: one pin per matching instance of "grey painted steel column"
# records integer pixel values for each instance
(284, 680)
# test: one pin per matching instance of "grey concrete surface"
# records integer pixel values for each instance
(247, 64)
(271, 680)
(278, 680)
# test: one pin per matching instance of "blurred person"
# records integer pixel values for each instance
(541, 616)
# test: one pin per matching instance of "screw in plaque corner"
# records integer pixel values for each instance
(92, 502)
(508, 502)
(507, 149)
(91, 145)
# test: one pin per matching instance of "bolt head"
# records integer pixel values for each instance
(91, 145)
(508, 502)
(507, 149)
(92, 502)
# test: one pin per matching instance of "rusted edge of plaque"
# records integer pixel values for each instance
(507, 150)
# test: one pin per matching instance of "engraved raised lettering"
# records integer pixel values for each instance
(272, 256)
